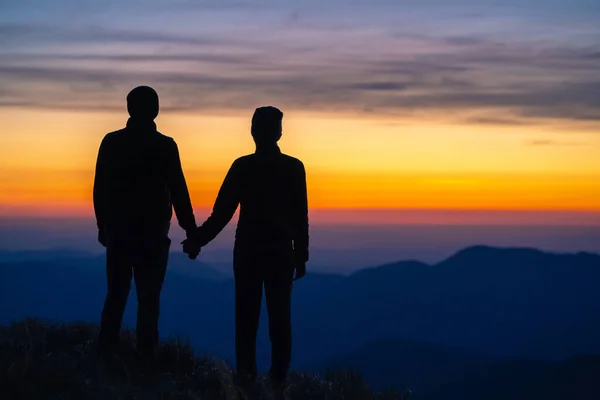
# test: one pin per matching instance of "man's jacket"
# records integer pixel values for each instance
(138, 181)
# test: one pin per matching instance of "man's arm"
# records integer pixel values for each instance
(301, 217)
(99, 192)
(224, 208)
(180, 196)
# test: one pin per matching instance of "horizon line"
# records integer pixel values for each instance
(365, 216)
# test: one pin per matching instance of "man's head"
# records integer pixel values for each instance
(267, 125)
(142, 103)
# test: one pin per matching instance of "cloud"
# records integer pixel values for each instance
(381, 86)
(474, 79)
(17, 34)
(498, 120)
(552, 143)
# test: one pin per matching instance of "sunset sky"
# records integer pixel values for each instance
(461, 109)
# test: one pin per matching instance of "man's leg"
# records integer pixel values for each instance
(278, 289)
(248, 297)
(118, 279)
(149, 274)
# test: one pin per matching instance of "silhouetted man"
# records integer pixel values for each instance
(138, 181)
(271, 240)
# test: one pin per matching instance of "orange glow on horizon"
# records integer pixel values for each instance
(47, 161)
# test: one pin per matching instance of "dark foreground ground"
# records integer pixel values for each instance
(41, 360)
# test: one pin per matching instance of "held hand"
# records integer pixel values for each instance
(191, 248)
(300, 270)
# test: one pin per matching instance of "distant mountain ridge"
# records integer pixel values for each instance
(492, 301)
(416, 365)
(433, 372)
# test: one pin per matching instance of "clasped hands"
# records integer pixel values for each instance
(191, 245)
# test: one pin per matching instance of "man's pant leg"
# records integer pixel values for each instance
(149, 273)
(278, 289)
(118, 279)
(248, 297)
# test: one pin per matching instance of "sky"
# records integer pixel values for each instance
(479, 112)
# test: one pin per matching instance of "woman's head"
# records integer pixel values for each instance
(267, 125)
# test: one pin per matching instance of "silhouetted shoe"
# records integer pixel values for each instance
(245, 379)
(106, 349)
(278, 389)
(247, 385)
(111, 358)
(148, 375)
(278, 378)
(147, 362)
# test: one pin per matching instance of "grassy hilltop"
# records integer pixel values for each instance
(41, 360)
